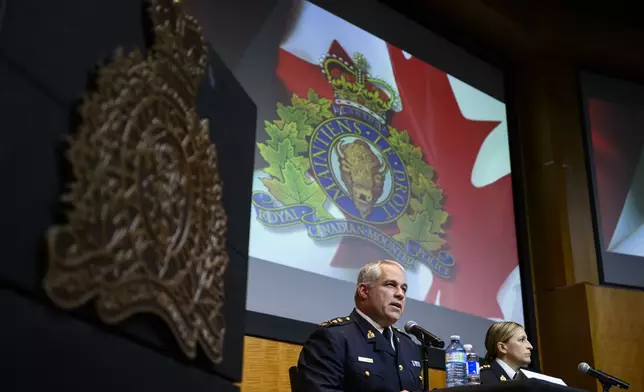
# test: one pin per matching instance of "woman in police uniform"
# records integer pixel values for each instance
(508, 349)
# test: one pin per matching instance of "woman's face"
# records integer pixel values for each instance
(517, 350)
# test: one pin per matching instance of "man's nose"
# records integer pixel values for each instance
(400, 294)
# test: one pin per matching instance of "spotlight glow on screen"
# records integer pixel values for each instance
(614, 119)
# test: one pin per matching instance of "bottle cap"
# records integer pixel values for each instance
(467, 347)
(455, 337)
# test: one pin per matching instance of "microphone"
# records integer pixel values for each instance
(604, 379)
(412, 328)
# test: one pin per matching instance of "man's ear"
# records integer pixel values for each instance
(363, 290)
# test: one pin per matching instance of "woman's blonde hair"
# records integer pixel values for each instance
(499, 332)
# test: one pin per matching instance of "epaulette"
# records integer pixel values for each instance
(485, 367)
(336, 321)
(402, 332)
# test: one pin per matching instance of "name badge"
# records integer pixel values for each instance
(415, 363)
(367, 360)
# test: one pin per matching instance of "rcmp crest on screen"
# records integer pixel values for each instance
(344, 152)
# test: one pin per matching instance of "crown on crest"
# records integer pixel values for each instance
(352, 85)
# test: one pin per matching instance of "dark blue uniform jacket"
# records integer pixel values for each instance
(493, 374)
(348, 354)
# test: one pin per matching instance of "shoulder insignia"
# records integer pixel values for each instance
(402, 332)
(336, 321)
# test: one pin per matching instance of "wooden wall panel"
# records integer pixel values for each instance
(554, 173)
(564, 333)
(559, 223)
(600, 325)
(266, 364)
(617, 326)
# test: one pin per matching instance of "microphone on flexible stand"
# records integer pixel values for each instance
(426, 337)
(606, 380)
(428, 340)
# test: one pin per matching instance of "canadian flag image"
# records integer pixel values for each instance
(463, 135)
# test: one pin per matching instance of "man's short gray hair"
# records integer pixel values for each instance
(370, 273)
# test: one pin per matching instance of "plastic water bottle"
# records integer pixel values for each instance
(473, 370)
(455, 363)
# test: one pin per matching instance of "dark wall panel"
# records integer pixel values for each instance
(232, 117)
(59, 43)
(32, 128)
(44, 349)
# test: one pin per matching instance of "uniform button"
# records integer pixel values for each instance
(421, 377)
(366, 373)
(400, 367)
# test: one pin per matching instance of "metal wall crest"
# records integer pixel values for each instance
(146, 223)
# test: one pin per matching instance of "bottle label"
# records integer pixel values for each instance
(456, 356)
(473, 368)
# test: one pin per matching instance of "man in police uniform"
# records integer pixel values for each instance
(362, 351)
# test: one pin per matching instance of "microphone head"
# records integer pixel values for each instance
(583, 367)
(409, 325)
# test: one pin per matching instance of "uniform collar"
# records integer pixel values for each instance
(374, 324)
(372, 332)
(506, 368)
